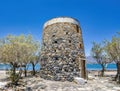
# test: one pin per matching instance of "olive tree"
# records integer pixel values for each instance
(10, 54)
(18, 51)
(99, 55)
(36, 55)
(34, 61)
(113, 50)
(29, 52)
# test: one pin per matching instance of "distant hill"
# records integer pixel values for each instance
(90, 60)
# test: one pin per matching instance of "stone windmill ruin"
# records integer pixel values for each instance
(62, 54)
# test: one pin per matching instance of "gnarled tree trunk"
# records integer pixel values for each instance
(25, 71)
(103, 70)
(33, 65)
(118, 72)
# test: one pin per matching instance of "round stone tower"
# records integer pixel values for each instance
(62, 53)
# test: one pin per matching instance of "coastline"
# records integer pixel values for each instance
(38, 84)
(88, 66)
(94, 78)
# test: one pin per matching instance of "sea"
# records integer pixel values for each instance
(88, 67)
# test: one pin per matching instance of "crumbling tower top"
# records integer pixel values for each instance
(61, 19)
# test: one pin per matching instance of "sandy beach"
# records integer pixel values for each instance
(94, 83)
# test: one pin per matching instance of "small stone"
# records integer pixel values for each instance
(28, 89)
(116, 88)
(57, 78)
(80, 81)
(70, 78)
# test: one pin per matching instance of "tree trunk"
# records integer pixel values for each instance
(25, 72)
(14, 70)
(13, 75)
(118, 72)
(103, 70)
(33, 65)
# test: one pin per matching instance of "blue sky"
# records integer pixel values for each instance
(99, 19)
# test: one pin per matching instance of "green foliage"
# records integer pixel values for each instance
(18, 50)
(113, 48)
(108, 52)
(99, 54)
(96, 51)
(14, 78)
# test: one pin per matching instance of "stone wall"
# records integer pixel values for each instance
(62, 50)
